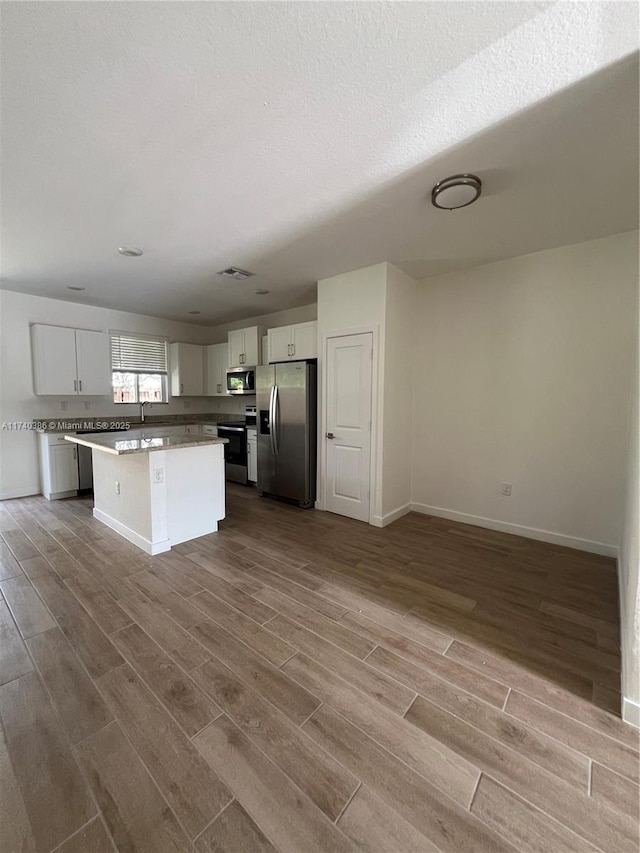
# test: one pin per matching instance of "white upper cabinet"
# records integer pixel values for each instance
(70, 361)
(217, 361)
(279, 343)
(245, 347)
(187, 370)
(54, 360)
(293, 343)
(93, 356)
(304, 340)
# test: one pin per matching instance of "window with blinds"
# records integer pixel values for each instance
(139, 369)
(138, 355)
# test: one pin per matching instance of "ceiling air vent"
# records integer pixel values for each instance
(236, 272)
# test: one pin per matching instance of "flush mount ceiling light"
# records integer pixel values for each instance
(236, 273)
(261, 292)
(456, 191)
(194, 312)
(75, 287)
(129, 251)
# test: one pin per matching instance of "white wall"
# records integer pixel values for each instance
(19, 472)
(397, 400)
(629, 566)
(522, 375)
(381, 298)
(349, 302)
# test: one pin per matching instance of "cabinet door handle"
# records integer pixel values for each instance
(219, 387)
(80, 385)
(181, 387)
(293, 349)
(288, 349)
(75, 453)
(75, 384)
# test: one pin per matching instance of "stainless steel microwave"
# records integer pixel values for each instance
(241, 380)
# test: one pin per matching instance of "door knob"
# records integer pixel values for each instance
(330, 435)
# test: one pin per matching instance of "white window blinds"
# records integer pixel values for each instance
(136, 354)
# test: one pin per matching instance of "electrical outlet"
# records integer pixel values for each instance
(158, 475)
(87, 405)
(117, 487)
(506, 489)
(64, 405)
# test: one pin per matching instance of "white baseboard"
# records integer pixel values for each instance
(17, 493)
(631, 712)
(390, 517)
(520, 530)
(145, 544)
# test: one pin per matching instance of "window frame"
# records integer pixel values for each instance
(164, 375)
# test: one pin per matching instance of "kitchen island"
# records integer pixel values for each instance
(157, 491)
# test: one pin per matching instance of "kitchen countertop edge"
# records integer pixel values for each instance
(108, 442)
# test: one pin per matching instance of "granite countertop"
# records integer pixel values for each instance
(141, 441)
(96, 424)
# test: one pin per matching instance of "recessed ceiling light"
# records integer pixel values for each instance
(456, 191)
(194, 312)
(129, 251)
(75, 287)
(236, 272)
(261, 292)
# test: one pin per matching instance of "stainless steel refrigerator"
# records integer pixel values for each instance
(286, 402)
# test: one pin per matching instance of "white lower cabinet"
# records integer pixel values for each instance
(58, 467)
(252, 455)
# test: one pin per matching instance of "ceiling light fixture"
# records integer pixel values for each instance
(456, 191)
(261, 292)
(75, 287)
(236, 273)
(129, 251)
(194, 312)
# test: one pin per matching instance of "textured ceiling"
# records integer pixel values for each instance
(300, 140)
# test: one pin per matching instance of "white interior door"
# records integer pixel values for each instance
(348, 436)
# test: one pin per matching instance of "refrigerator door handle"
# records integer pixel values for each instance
(274, 422)
(271, 420)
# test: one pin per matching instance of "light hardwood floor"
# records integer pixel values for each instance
(300, 682)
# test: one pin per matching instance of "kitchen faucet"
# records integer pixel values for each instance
(142, 405)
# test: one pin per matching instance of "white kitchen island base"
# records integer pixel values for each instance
(160, 498)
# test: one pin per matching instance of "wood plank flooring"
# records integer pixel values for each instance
(303, 683)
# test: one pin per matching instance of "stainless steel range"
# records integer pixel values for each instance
(235, 452)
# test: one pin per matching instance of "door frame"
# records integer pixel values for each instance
(375, 453)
